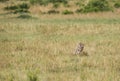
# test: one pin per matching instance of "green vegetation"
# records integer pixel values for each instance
(80, 3)
(46, 2)
(32, 77)
(53, 12)
(20, 8)
(117, 5)
(56, 5)
(41, 2)
(96, 6)
(65, 12)
(91, 6)
(82, 6)
(3, 0)
(56, 1)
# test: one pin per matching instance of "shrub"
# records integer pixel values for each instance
(66, 5)
(56, 5)
(58, 1)
(3, 0)
(41, 2)
(79, 10)
(11, 7)
(117, 5)
(65, 12)
(79, 4)
(24, 6)
(97, 5)
(32, 1)
(53, 12)
(45, 2)
(21, 8)
(20, 11)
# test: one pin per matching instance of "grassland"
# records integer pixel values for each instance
(42, 48)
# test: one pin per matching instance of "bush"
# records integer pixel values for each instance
(56, 5)
(79, 10)
(11, 7)
(58, 1)
(53, 12)
(65, 12)
(41, 2)
(20, 11)
(117, 5)
(3, 0)
(66, 5)
(21, 8)
(97, 5)
(45, 2)
(79, 4)
(24, 6)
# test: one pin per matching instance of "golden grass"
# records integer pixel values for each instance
(44, 48)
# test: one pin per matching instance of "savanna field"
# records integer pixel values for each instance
(41, 48)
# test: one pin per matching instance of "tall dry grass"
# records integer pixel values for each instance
(43, 48)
